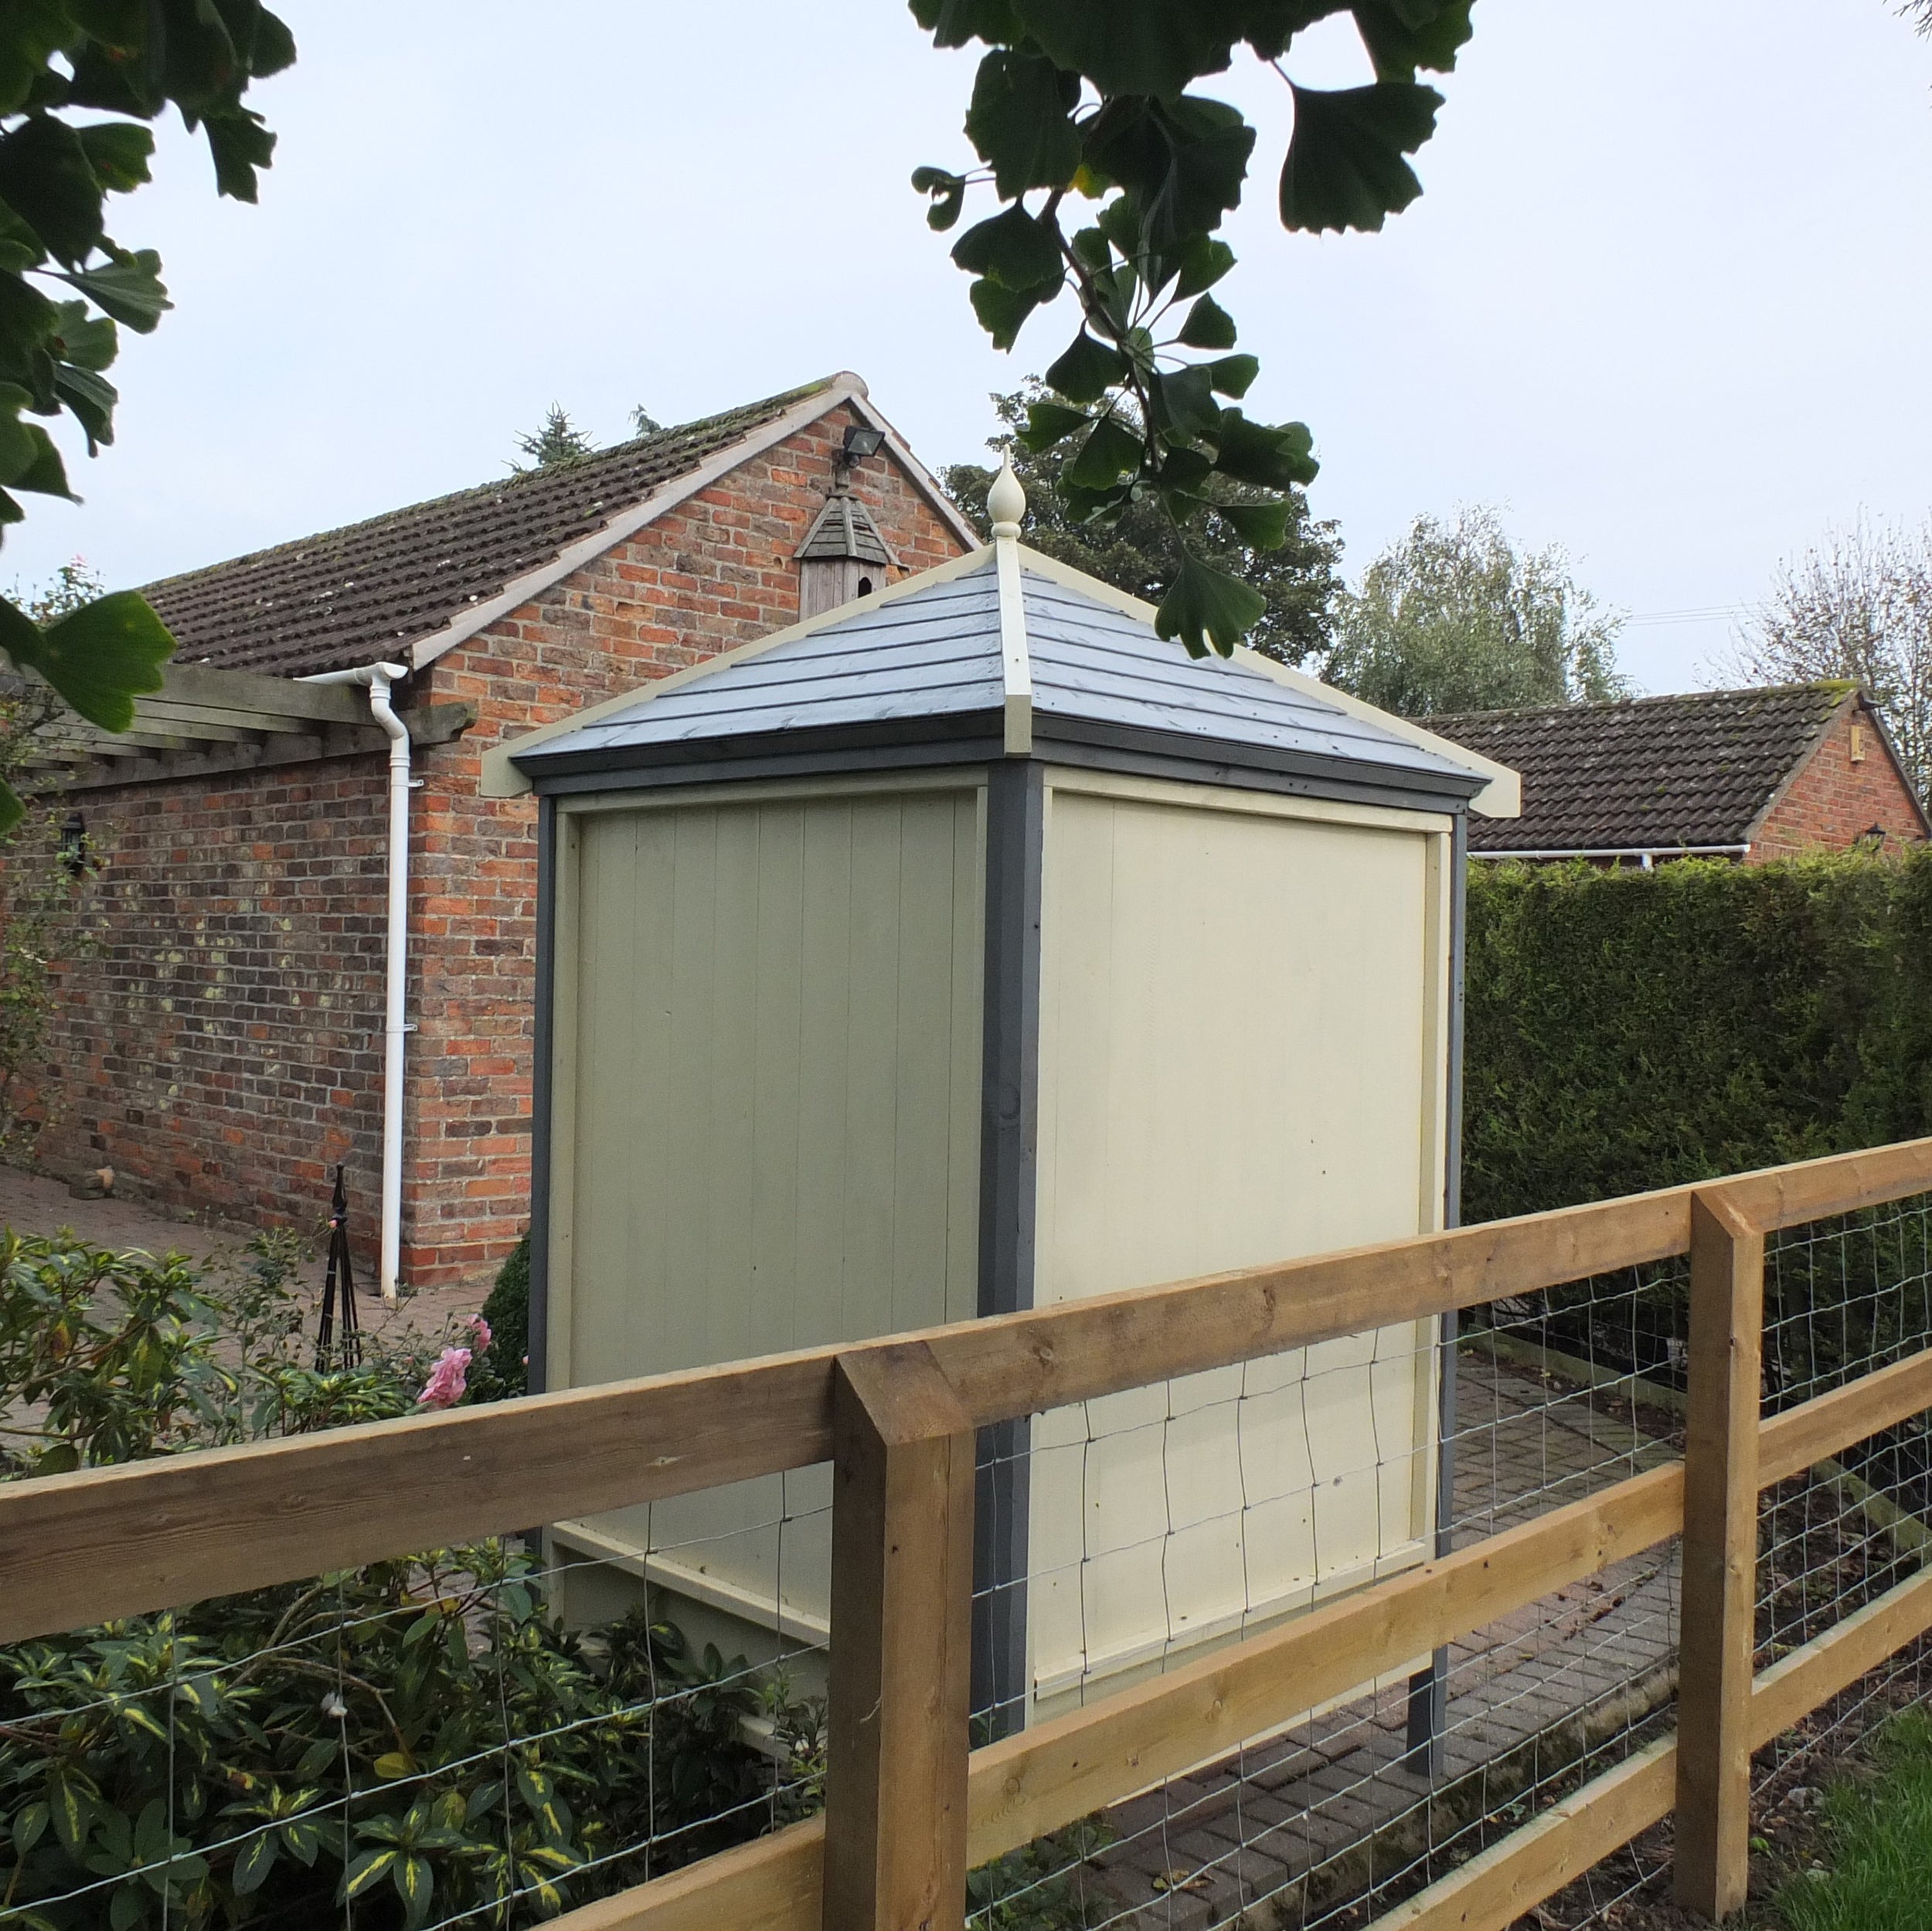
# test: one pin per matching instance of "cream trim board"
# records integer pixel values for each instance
(1501, 798)
(843, 387)
(1433, 1179)
(501, 779)
(1433, 1174)
(1261, 805)
(801, 1625)
(1016, 663)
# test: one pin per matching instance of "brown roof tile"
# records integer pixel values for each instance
(352, 596)
(1649, 773)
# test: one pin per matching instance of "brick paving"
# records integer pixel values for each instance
(36, 1204)
(1266, 1838)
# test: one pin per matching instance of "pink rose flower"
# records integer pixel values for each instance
(481, 1329)
(447, 1379)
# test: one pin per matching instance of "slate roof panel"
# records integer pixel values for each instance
(934, 653)
(353, 595)
(1650, 773)
(1098, 663)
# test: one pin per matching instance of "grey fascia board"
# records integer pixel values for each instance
(845, 761)
(928, 755)
(1219, 755)
(1188, 771)
(755, 751)
(929, 740)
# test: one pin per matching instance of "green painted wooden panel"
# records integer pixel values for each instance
(773, 1093)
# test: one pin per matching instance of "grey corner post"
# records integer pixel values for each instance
(546, 829)
(1010, 1130)
(1429, 1688)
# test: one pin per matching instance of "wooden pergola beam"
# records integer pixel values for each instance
(205, 722)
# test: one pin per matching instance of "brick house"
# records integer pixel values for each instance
(223, 1048)
(1746, 775)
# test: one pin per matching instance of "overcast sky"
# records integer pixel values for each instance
(1663, 301)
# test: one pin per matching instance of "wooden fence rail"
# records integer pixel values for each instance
(909, 1809)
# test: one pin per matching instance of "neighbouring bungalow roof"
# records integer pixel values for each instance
(932, 661)
(1648, 774)
(373, 589)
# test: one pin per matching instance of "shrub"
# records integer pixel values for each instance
(418, 1736)
(1628, 1030)
(505, 1363)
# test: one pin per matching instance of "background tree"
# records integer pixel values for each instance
(559, 440)
(1452, 618)
(77, 78)
(1140, 551)
(1083, 101)
(1857, 606)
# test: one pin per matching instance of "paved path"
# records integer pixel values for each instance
(1267, 1838)
(31, 1203)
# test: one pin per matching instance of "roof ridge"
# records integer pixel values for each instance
(517, 478)
(1837, 687)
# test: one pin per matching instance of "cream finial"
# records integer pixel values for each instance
(1006, 503)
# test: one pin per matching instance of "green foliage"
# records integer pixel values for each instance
(1041, 1886)
(1452, 618)
(1287, 558)
(505, 1365)
(559, 441)
(44, 899)
(67, 287)
(1074, 99)
(1628, 1030)
(108, 1358)
(418, 1737)
(1878, 1874)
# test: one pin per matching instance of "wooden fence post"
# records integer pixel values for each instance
(1719, 1603)
(902, 1579)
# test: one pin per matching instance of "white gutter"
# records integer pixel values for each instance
(378, 677)
(1644, 854)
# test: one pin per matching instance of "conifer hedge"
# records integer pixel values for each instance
(1628, 1030)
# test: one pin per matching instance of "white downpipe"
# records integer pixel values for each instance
(378, 677)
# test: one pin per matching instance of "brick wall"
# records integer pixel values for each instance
(1833, 802)
(221, 1045)
(227, 1044)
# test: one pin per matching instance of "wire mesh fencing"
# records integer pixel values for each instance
(483, 1735)
(486, 1735)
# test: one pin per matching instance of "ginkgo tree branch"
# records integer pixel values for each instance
(79, 79)
(1090, 98)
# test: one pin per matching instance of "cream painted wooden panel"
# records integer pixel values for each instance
(773, 1088)
(1239, 1063)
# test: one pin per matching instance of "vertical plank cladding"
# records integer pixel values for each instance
(773, 1085)
(1241, 1049)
